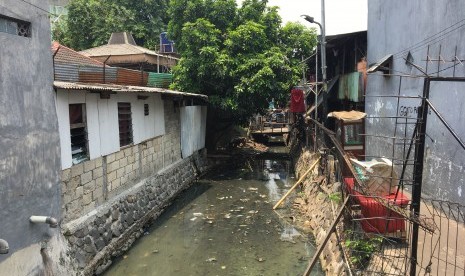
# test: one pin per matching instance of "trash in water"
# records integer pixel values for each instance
(210, 260)
(253, 189)
(209, 222)
(223, 267)
(155, 251)
(227, 216)
(194, 218)
(252, 212)
(260, 259)
(262, 196)
(198, 214)
(220, 198)
(244, 199)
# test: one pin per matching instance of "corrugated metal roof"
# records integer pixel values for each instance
(122, 88)
(69, 56)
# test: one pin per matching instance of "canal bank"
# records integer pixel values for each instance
(109, 230)
(224, 225)
(316, 208)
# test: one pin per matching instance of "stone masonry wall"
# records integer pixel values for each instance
(319, 211)
(110, 230)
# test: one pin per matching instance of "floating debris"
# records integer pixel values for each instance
(252, 212)
(198, 214)
(227, 216)
(262, 196)
(211, 260)
(155, 251)
(244, 199)
(253, 189)
(223, 267)
(209, 221)
(194, 218)
(220, 198)
(260, 259)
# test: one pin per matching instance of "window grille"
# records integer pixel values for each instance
(14, 26)
(146, 109)
(78, 131)
(125, 124)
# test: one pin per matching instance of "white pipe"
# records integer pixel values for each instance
(4, 248)
(43, 219)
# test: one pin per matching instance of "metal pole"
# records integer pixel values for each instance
(316, 85)
(323, 43)
(418, 174)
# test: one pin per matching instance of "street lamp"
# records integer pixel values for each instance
(322, 43)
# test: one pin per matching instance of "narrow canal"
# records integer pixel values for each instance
(224, 225)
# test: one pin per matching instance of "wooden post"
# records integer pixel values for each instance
(297, 183)
(322, 245)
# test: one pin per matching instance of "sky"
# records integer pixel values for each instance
(342, 16)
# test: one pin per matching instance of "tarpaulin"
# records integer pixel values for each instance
(376, 218)
(297, 101)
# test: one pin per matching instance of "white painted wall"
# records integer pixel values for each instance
(193, 128)
(102, 121)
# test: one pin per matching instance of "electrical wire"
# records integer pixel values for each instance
(37, 7)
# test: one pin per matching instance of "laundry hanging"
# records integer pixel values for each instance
(297, 101)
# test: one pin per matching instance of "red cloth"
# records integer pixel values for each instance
(376, 218)
(297, 101)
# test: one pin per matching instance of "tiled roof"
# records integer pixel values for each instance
(69, 56)
(120, 50)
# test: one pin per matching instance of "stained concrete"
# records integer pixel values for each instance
(29, 141)
(397, 27)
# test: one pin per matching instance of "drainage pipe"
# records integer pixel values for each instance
(4, 248)
(43, 219)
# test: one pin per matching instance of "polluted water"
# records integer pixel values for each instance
(224, 224)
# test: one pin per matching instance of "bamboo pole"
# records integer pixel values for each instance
(297, 183)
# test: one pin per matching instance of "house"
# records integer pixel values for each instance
(120, 143)
(346, 72)
(122, 51)
(408, 40)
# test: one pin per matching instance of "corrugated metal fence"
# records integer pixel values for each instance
(110, 75)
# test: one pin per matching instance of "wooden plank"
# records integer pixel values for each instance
(325, 241)
(297, 183)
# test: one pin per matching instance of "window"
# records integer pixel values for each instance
(125, 124)
(146, 109)
(78, 130)
(14, 26)
(352, 134)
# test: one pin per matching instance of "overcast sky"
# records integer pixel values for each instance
(342, 16)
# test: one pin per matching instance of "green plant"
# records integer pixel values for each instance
(335, 197)
(362, 249)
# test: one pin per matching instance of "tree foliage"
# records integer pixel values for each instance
(241, 57)
(89, 23)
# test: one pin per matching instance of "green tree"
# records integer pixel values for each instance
(241, 57)
(89, 23)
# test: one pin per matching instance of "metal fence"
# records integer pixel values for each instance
(403, 233)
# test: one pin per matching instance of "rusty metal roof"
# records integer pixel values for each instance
(98, 87)
(65, 55)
